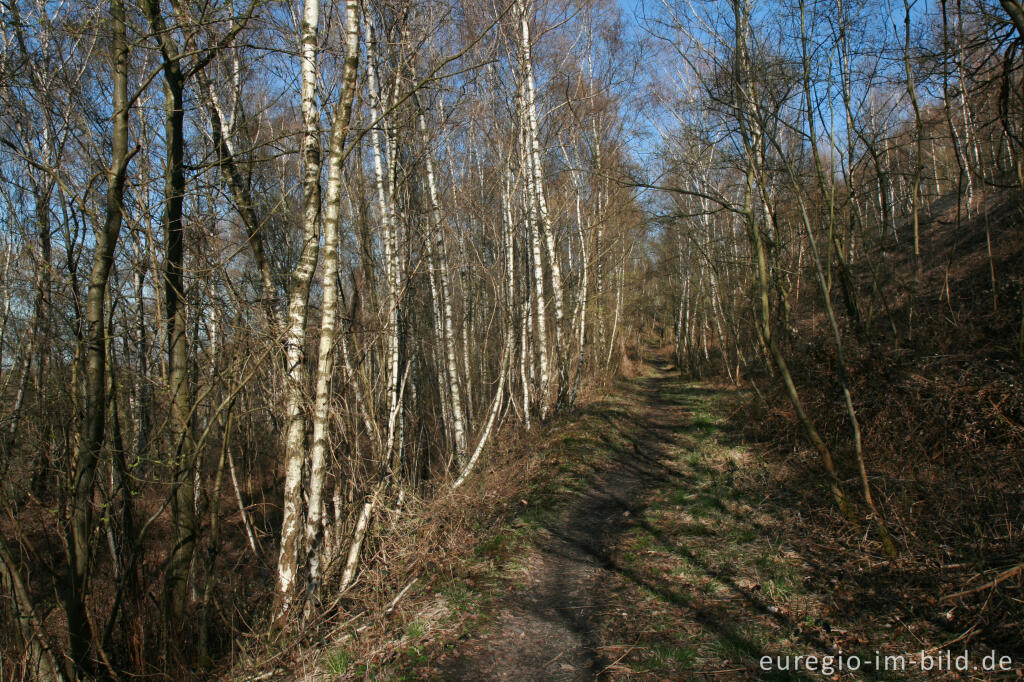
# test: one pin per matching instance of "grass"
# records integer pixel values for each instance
(643, 543)
(706, 505)
(338, 661)
(537, 517)
(416, 656)
(699, 556)
(738, 641)
(415, 629)
(496, 545)
(458, 596)
(777, 569)
(742, 535)
(665, 654)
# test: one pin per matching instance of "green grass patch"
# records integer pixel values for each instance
(643, 543)
(742, 535)
(496, 546)
(737, 642)
(338, 661)
(706, 505)
(415, 629)
(457, 595)
(667, 654)
(693, 459)
(536, 516)
(681, 497)
(695, 529)
(781, 578)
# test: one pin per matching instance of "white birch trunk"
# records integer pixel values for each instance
(524, 311)
(615, 319)
(295, 333)
(392, 274)
(348, 575)
(444, 287)
(291, 528)
(535, 187)
(328, 321)
(538, 316)
(492, 413)
(581, 301)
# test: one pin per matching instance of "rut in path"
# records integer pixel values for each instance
(546, 630)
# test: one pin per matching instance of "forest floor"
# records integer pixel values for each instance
(660, 544)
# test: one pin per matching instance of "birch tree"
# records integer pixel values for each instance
(295, 441)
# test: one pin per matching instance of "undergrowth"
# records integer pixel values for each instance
(444, 556)
(939, 392)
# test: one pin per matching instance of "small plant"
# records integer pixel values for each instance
(457, 595)
(643, 543)
(416, 656)
(415, 629)
(338, 661)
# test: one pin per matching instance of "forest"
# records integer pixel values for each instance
(310, 313)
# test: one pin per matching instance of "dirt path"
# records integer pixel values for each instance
(667, 546)
(548, 629)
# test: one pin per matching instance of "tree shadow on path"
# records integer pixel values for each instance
(561, 620)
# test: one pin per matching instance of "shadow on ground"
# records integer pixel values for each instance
(668, 547)
(584, 606)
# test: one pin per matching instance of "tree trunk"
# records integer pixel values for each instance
(535, 188)
(329, 316)
(440, 258)
(93, 421)
(180, 426)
